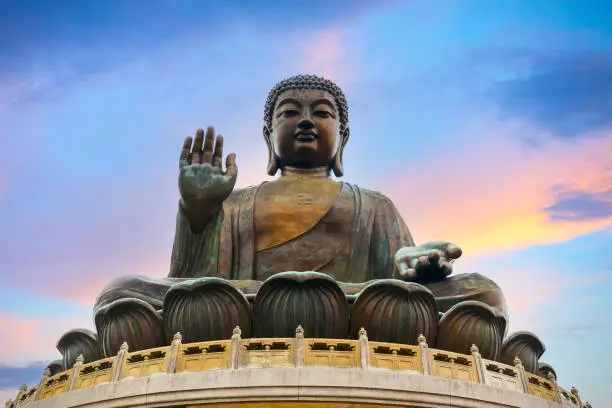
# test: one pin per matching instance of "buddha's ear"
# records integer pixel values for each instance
(272, 160)
(337, 166)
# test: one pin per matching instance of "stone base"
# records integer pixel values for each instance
(306, 387)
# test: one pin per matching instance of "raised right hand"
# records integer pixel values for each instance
(203, 184)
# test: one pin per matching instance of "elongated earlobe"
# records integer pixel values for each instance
(337, 166)
(272, 159)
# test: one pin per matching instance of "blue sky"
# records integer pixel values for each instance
(487, 123)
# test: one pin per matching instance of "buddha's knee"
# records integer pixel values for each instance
(205, 309)
(129, 320)
(311, 300)
(472, 323)
(149, 290)
(396, 312)
(468, 286)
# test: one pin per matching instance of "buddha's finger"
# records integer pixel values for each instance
(407, 273)
(209, 141)
(453, 251)
(419, 263)
(184, 157)
(445, 266)
(217, 157)
(230, 165)
(196, 151)
(434, 256)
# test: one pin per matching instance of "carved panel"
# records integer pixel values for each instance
(27, 398)
(95, 373)
(453, 365)
(394, 356)
(502, 376)
(145, 363)
(541, 388)
(204, 356)
(568, 399)
(267, 353)
(331, 353)
(57, 384)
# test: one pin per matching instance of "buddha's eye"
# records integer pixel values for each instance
(289, 113)
(323, 114)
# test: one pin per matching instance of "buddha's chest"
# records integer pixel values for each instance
(287, 209)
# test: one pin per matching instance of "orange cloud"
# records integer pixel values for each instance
(27, 339)
(489, 194)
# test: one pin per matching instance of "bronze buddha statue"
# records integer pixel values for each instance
(303, 249)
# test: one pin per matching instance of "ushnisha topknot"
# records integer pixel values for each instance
(303, 82)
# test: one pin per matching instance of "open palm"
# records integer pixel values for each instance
(202, 181)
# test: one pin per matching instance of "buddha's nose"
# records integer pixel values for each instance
(306, 123)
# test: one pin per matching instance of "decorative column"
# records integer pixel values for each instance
(299, 347)
(235, 348)
(424, 349)
(22, 390)
(120, 361)
(174, 353)
(364, 349)
(522, 376)
(574, 392)
(76, 371)
(478, 364)
(551, 377)
(41, 384)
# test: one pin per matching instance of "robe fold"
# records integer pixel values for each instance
(353, 255)
(226, 247)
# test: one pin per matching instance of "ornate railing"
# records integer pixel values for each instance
(297, 352)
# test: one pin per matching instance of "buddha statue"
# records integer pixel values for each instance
(304, 249)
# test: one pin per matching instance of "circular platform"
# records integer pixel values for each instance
(306, 387)
(298, 371)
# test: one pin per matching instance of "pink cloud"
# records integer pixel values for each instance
(328, 54)
(6, 395)
(27, 339)
(489, 193)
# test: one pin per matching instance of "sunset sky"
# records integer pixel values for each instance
(489, 124)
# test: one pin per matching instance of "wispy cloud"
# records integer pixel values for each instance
(568, 94)
(53, 49)
(11, 377)
(579, 205)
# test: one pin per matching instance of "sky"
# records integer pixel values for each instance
(488, 123)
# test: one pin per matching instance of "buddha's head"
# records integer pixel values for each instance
(306, 124)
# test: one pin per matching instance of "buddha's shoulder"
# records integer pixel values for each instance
(245, 194)
(242, 194)
(368, 194)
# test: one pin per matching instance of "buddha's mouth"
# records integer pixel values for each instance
(306, 136)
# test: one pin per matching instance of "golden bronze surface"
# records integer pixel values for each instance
(291, 206)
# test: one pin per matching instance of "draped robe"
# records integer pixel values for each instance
(227, 246)
(362, 252)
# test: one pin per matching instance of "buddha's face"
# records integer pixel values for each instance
(305, 128)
